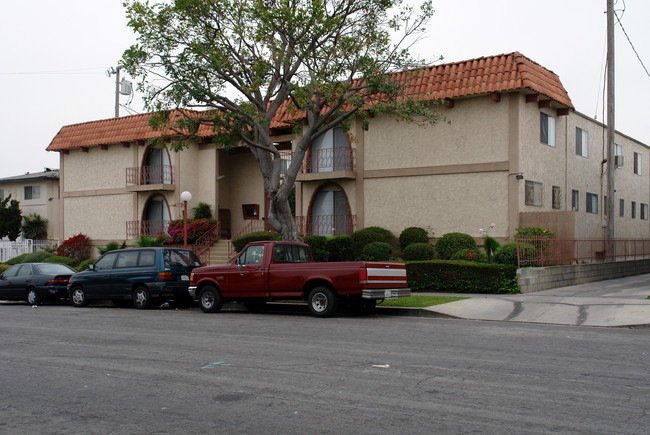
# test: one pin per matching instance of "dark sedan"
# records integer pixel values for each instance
(35, 282)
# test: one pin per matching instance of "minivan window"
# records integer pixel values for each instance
(127, 259)
(180, 258)
(106, 262)
(147, 259)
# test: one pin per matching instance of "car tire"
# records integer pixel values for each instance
(78, 297)
(322, 301)
(142, 298)
(33, 298)
(210, 300)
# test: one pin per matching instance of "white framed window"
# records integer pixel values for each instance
(575, 200)
(644, 211)
(582, 142)
(637, 163)
(32, 192)
(592, 203)
(534, 191)
(618, 150)
(557, 201)
(547, 129)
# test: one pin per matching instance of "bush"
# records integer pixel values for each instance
(490, 246)
(363, 237)
(37, 257)
(317, 246)
(507, 253)
(377, 251)
(61, 260)
(413, 235)
(84, 265)
(339, 248)
(195, 229)
(470, 255)
(147, 242)
(533, 233)
(461, 277)
(202, 211)
(16, 260)
(450, 243)
(111, 247)
(418, 252)
(77, 247)
(34, 227)
(241, 241)
(4, 266)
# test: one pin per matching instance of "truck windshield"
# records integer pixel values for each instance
(291, 254)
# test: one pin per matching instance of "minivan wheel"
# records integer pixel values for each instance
(210, 300)
(78, 297)
(322, 301)
(32, 297)
(142, 298)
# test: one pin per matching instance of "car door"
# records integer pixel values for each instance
(96, 282)
(8, 289)
(248, 277)
(22, 280)
(124, 274)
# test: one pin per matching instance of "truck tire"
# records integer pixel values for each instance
(210, 300)
(322, 301)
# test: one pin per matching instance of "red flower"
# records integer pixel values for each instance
(469, 255)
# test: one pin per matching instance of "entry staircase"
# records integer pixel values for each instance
(219, 252)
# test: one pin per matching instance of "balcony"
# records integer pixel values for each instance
(329, 163)
(334, 225)
(135, 229)
(150, 178)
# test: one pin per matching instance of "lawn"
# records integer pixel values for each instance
(419, 301)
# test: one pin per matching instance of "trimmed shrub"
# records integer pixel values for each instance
(377, 251)
(461, 277)
(84, 265)
(412, 235)
(241, 241)
(16, 260)
(450, 243)
(317, 246)
(470, 255)
(111, 247)
(361, 238)
(507, 253)
(77, 247)
(61, 260)
(418, 252)
(37, 257)
(339, 248)
(202, 211)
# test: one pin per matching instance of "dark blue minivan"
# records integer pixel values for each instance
(143, 276)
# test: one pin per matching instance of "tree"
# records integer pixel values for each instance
(34, 227)
(246, 61)
(10, 218)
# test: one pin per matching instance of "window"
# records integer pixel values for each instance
(147, 259)
(252, 255)
(582, 142)
(291, 254)
(618, 150)
(127, 259)
(251, 211)
(605, 205)
(637, 163)
(575, 200)
(534, 193)
(557, 202)
(644, 211)
(621, 208)
(106, 262)
(592, 203)
(633, 210)
(547, 129)
(32, 192)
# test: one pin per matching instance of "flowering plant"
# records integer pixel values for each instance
(195, 229)
(77, 247)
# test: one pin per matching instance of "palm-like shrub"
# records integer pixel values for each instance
(34, 227)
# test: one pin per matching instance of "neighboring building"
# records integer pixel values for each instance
(511, 150)
(37, 193)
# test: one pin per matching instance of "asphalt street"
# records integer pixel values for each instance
(166, 371)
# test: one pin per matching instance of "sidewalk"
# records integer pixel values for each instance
(617, 302)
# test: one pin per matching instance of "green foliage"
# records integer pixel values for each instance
(470, 255)
(317, 245)
(16, 260)
(490, 246)
(195, 229)
(202, 211)
(112, 246)
(37, 257)
(10, 218)
(418, 252)
(461, 277)
(533, 233)
(377, 251)
(339, 248)
(241, 241)
(84, 264)
(361, 238)
(507, 253)
(77, 247)
(413, 235)
(34, 227)
(61, 260)
(4, 266)
(450, 243)
(148, 242)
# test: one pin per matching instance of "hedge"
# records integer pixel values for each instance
(242, 241)
(461, 277)
(451, 243)
(412, 235)
(361, 238)
(377, 251)
(317, 246)
(61, 260)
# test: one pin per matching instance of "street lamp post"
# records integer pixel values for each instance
(185, 196)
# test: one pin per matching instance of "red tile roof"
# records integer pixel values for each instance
(501, 73)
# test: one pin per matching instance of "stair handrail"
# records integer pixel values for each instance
(203, 243)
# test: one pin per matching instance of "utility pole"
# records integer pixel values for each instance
(611, 147)
(116, 72)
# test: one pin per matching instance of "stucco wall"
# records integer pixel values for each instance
(97, 168)
(47, 205)
(98, 217)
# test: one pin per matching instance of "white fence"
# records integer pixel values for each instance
(9, 250)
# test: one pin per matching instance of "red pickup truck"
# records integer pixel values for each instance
(266, 271)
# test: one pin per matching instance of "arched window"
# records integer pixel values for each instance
(331, 152)
(329, 213)
(157, 168)
(156, 216)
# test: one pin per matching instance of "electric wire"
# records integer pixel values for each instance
(628, 38)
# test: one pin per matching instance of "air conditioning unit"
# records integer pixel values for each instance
(618, 161)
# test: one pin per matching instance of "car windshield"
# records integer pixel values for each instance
(55, 269)
(181, 258)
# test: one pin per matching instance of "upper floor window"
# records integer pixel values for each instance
(621, 207)
(644, 211)
(633, 209)
(534, 192)
(592, 203)
(547, 129)
(557, 202)
(582, 142)
(618, 150)
(575, 200)
(32, 192)
(331, 152)
(637, 163)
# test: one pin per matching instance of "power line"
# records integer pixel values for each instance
(628, 40)
(68, 71)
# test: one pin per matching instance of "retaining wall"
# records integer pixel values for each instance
(535, 279)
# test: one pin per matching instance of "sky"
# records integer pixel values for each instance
(54, 57)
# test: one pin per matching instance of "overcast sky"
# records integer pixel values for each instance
(55, 54)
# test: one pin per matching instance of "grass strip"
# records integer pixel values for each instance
(419, 301)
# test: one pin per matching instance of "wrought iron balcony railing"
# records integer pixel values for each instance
(142, 175)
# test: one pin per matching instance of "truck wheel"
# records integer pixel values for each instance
(210, 300)
(322, 301)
